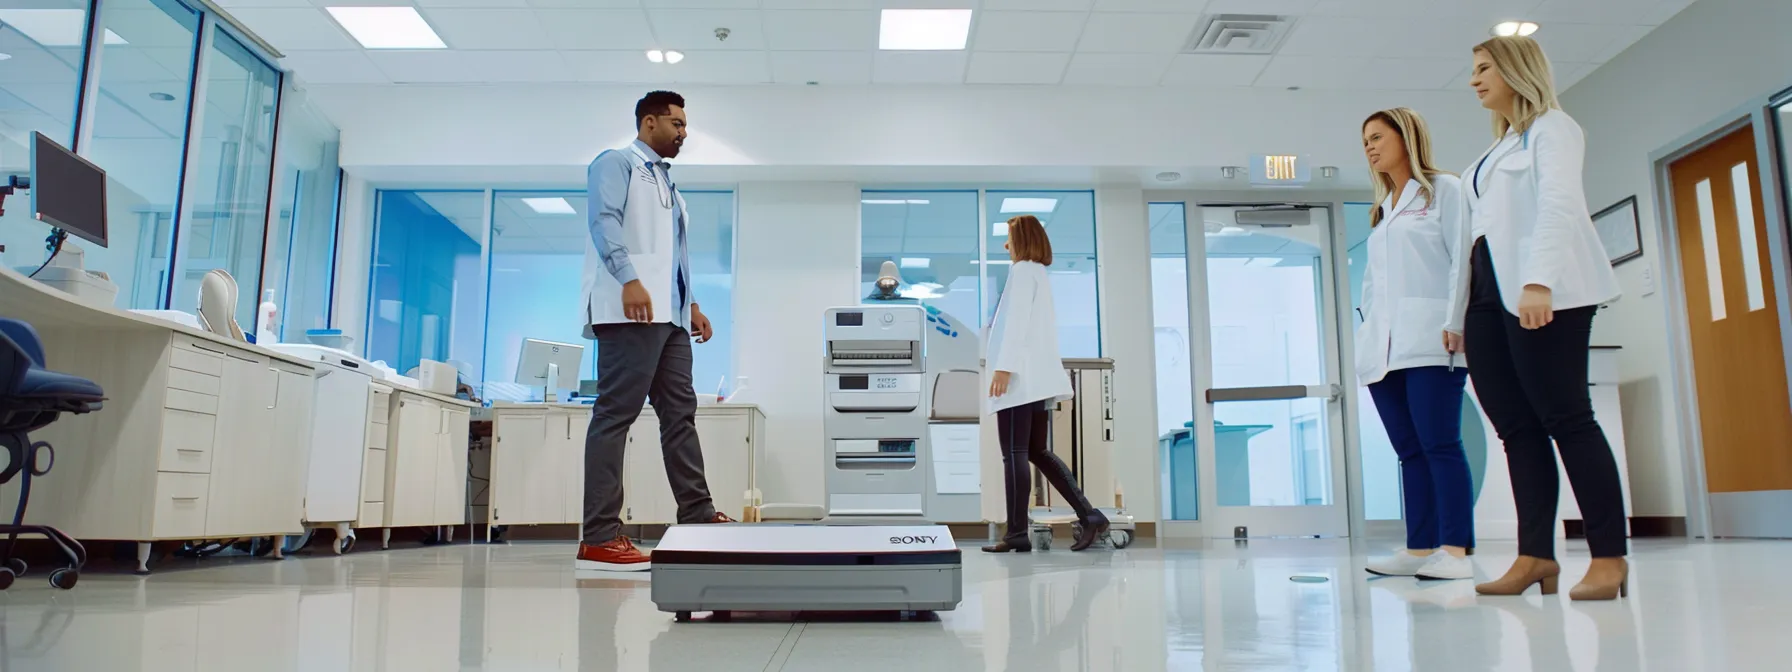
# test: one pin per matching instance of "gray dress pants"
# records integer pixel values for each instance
(635, 363)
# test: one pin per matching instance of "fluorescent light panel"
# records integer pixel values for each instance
(1028, 205)
(53, 27)
(916, 262)
(387, 27)
(550, 206)
(998, 229)
(1510, 28)
(894, 201)
(924, 29)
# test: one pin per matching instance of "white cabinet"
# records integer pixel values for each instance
(426, 468)
(538, 464)
(264, 431)
(375, 462)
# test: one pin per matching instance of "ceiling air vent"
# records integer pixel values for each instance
(1238, 34)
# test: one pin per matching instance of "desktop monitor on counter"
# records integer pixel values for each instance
(549, 365)
(67, 191)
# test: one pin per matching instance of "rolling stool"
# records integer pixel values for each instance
(32, 397)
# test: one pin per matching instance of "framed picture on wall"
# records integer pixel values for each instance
(1620, 231)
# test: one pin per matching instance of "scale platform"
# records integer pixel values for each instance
(791, 568)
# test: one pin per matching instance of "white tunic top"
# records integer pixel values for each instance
(1023, 340)
(1406, 286)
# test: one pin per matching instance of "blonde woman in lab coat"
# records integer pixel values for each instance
(1027, 379)
(1417, 380)
(1536, 275)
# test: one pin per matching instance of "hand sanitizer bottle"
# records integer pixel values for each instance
(265, 316)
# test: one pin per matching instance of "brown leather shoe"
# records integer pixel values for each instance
(1526, 571)
(616, 555)
(1091, 530)
(1607, 579)
(720, 518)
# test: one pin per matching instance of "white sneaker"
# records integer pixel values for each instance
(1446, 567)
(1403, 563)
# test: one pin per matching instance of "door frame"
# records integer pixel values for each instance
(1335, 307)
(1757, 113)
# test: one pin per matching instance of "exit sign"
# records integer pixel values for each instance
(1279, 170)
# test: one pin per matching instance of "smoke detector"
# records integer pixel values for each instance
(722, 34)
(1238, 34)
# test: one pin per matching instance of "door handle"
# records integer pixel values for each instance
(276, 373)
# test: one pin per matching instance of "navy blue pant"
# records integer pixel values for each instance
(1422, 411)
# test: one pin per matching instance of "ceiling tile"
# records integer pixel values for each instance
(1627, 37)
(994, 67)
(1435, 38)
(1028, 31)
(1336, 36)
(423, 66)
(614, 67)
(1282, 7)
(333, 67)
(693, 30)
(1214, 70)
(295, 28)
(1039, 5)
(723, 67)
(1315, 72)
(919, 67)
(587, 29)
(1136, 33)
(516, 66)
(818, 4)
(487, 28)
(233, 5)
(586, 4)
(1614, 12)
(1116, 69)
(470, 4)
(701, 4)
(1460, 83)
(1581, 43)
(799, 30)
(822, 67)
(1190, 6)
(1411, 74)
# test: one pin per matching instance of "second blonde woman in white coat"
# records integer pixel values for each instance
(1027, 378)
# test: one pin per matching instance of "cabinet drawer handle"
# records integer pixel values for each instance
(188, 450)
(276, 373)
(194, 498)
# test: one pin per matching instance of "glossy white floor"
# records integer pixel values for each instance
(1697, 606)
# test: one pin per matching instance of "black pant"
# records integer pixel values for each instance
(1533, 386)
(1025, 432)
(635, 363)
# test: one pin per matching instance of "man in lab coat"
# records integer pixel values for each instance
(639, 309)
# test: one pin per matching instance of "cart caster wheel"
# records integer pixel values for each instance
(1120, 538)
(345, 544)
(678, 617)
(1042, 540)
(18, 566)
(65, 578)
(7, 577)
(721, 616)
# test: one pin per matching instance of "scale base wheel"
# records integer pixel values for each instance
(7, 577)
(677, 617)
(65, 578)
(18, 566)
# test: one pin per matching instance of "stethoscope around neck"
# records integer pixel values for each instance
(663, 183)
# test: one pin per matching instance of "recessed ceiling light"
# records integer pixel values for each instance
(387, 27)
(5, 56)
(1510, 28)
(53, 27)
(656, 56)
(916, 262)
(550, 206)
(924, 29)
(674, 57)
(162, 97)
(1010, 205)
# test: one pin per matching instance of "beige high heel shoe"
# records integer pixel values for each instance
(1607, 579)
(1526, 571)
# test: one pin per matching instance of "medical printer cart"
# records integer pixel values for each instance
(875, 551)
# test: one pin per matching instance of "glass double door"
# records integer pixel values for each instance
(1250, 410)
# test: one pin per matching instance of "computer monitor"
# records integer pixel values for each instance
(549, 365)
(67, 191)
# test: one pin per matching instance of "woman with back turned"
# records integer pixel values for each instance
(1536, 275)
(1416, 380)
(1027, 379)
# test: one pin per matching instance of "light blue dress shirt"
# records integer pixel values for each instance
(606, 187)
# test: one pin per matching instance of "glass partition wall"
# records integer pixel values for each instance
(182, 110)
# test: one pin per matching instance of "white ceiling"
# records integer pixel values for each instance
(1335, 44)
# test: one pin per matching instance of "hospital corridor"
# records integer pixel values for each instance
(822, 335)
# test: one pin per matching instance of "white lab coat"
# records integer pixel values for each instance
(1532, 209)
(1406, 286)
(1023, 341)
(648, 233)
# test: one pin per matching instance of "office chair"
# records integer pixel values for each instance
(32, 397)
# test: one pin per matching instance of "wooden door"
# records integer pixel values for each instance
(1739, 366)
